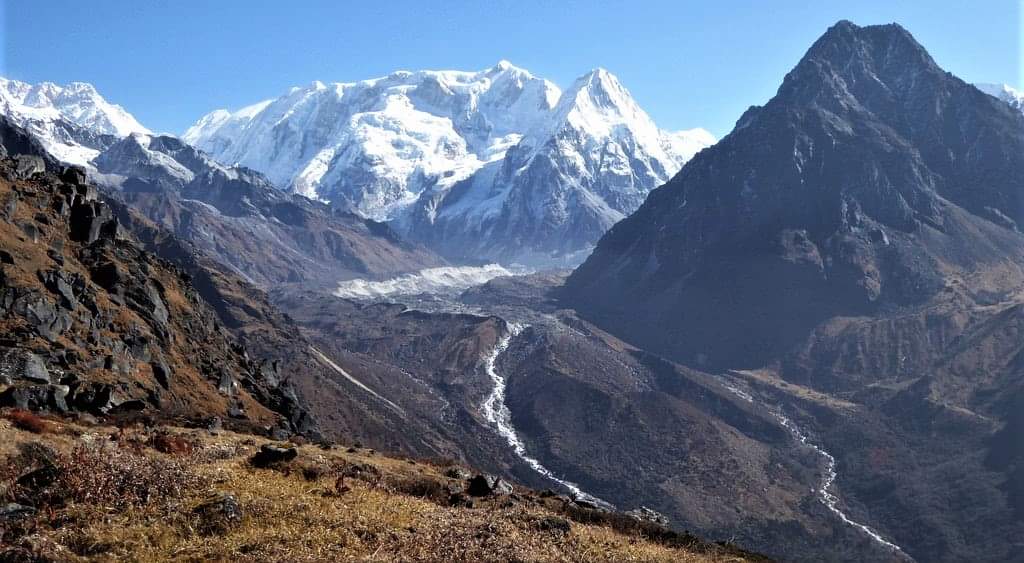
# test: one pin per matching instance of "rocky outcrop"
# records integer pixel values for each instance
(91, 322)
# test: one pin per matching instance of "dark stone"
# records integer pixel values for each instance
(554, 524)
(219, 514)
(39, 478)
(74, 175)
(162, 373)
(42, 316)
(34, 369)
(107, 275)
(35, 397)
(270, 455)
(12, 512)
(459, 473)
(56, 256)
(226, 384)
(280, 433)
(485, 485)
(31, 231)
(271, 373)
(92, 220)
(57, 282)
(216, 426)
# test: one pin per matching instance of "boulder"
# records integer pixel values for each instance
(12, 512)
(34, 369)
(218, 514)
(456, 472)
(486, 485)
(26, 166)
(74, 175)
(270, 455)
(161, 373)
(61, 284)
(35, 397)
(91, 220)
(645, 514)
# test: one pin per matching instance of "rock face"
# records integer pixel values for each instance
(856, 243)
(93, 323)
(870, 181)
(237, 216)
(496, 164)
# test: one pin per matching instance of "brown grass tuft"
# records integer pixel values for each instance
(28, 421)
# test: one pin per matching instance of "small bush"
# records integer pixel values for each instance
(173, 445)
(27, 421)
(422, 487)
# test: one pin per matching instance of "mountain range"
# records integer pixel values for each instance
(806, 340)
(493, 165)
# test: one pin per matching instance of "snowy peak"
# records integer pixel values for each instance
(499, 156)
(74, 122)
(77, 102)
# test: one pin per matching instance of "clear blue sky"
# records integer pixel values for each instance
(689, 64)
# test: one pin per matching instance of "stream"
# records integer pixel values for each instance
(826, 489)
(498, 415)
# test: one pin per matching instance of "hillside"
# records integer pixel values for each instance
(76, 492)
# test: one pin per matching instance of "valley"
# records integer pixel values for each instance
(804, 339)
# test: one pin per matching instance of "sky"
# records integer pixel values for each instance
(689, 64)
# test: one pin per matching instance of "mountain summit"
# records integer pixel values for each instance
(858, 235)
(866, 180)
(495, 164)
(74, 122)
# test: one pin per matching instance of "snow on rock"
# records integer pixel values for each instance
(1006, 93)
(496, 164)
(74, 122)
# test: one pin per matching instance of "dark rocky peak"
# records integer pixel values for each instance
(869, 178)
(868, 62)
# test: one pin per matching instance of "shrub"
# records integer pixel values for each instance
(28, 421)
(105, 474)
(420, 486)
(174, 445)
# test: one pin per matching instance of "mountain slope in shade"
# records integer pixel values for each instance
(74, 122)
(869, 180)
(493, 164)
(856, 238)
(237, 216)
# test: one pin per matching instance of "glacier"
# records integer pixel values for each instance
(442, 280)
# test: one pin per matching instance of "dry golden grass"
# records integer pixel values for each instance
(290, 518)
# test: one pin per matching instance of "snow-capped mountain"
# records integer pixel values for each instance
(1006, 93)
(74, 122)
(495, 164)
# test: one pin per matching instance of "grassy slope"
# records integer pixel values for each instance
(292, 517)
